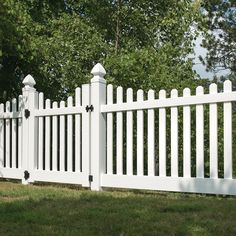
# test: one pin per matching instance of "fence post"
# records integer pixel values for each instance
(30, 129)
(98, 126)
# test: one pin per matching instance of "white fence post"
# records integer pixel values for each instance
(30, 129)
(98, 126)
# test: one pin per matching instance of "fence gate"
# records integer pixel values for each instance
(45, 141)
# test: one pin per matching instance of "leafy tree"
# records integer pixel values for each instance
(220, 34)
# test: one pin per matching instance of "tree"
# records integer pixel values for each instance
(143, 44)
(220, 35)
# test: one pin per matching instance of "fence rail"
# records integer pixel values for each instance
(148, 143)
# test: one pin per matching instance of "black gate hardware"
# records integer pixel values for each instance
(27, 113)
(89, 108)
(90, 178)
(26, 175)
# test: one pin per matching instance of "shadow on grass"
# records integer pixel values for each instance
(73, 212)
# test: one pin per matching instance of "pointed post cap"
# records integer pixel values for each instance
(98, 72)
(29, 82)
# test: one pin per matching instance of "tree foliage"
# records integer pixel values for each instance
(220, 34)
(143, 44)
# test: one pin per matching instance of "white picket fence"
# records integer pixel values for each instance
(96, 142)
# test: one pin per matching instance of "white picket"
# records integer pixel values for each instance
(86, 130)
(77, 131)
(62, 139)
(174, 136)
(13, 135)
(151, 137)
(129, 134)
(140, 160)
(109, 131)
(228, 133)
(7, 138)
(47, 137)
(2, 140)
(162, 136)
(119, 134)
(213, 135)
(69, 137)
(199, 136)
(40, 137)
(186, 137)
(54, 139)
(20, 133)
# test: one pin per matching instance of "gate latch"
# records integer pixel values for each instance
(26, 174)
(89, 108)
(27, 113)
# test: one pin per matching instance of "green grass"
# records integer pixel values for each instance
(60, 210)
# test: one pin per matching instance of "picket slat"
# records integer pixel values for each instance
(109, 131)
(13, 135)
(2, 137)
(228, 133)
(174, 136)
(119, 134)
(7, 138)
(129, 134)
(20, 133)
(162, 136)
(62, 139)
(199, 136)
(186, 137)
(40, 138)
(69, 137)
(140, 160)
(213, 135)
(48, 137)
(54, 139)
(77, 132)
(151, 136)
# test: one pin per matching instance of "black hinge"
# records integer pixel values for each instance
(27, 113)
(89, 108)
(90, 178)
(26, 175)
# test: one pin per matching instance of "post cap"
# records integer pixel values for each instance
(98, 70)
(29, 81)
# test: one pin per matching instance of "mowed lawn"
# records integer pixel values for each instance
(62, 210)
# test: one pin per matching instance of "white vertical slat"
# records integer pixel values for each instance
(54, 139)
(62, 139)
(1, 137)
(129, 134)
(186, 137)
(162, 136)
(228, 133)
(7, 138)
(119, 134)
(151, 136)
(40, 137)
(86, 131)
(47, 137)
(20, 133)
(109, 131)
(69, 137)
(199, 136)
(213, 136)
(13, 133)
(140, 160)
(174, 136)
(77, 131)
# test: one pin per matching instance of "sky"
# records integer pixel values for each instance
(201, 69)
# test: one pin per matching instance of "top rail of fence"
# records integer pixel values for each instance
(171, 102)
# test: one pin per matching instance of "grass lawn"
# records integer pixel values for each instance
(60, 210)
